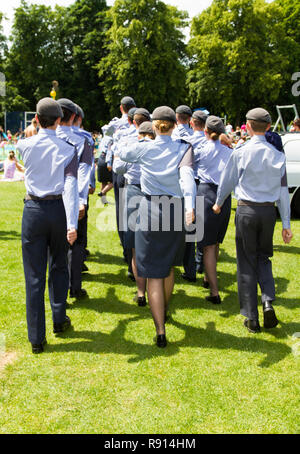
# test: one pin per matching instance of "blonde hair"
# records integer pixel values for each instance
(163, 125)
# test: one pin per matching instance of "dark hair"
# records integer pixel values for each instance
(183, 117)
(139, 119)
(258, 126)
(147, 134)
(67, 114)
(46, 121)
(199, 123)
(76, 118)
(127, 107)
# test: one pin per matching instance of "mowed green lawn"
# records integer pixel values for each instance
(107, 376)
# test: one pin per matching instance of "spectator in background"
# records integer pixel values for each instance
(295, 126)
(10, 165)
(31, 130)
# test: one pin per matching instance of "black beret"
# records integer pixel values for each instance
(67, 104)
(215, 124)
(48, 107)
(199, 115)
(131, 112)
(259, 114)
(127, 101)
(146, 128)
(184, 110)
(79, 111)
(164, 113)
(142, 111)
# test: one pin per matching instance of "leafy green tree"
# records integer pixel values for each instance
(145, 54)
(236, 62)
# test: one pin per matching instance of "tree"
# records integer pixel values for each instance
(145, 54)
(235, 58)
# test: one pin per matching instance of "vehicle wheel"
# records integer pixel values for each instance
(295, 208)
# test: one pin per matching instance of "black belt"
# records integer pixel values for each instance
(255, 204)
(47, 197)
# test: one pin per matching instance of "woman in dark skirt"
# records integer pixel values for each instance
(213, 157)
(166, 178)
(104, 174)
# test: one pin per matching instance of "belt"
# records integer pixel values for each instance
(47, 197)
(255, 204)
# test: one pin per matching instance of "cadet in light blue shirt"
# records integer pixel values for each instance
(51, 169)
(183, 117)
(85, 160)
(166, 170)
(257, 174)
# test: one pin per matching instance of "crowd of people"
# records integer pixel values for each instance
(161, 166)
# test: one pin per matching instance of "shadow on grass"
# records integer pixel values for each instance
(116, 343)
(109, 278)
(106, 259)
(9, 235)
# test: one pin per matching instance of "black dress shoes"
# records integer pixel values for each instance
(161, 341)
(188, 278)
(38, 348)
(81, 293)
(270, 319)
(252, 325)
(141, 300)
(214, 299)
(61, 327)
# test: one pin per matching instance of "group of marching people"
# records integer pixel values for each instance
(161, 166)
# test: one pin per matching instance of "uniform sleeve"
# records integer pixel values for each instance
(229, 179)
(70, 194)
(283, 203)
(187, 179)
(120, 167)
(133, 153)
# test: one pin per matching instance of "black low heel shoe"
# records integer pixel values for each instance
(214, 299)
(38, 348)
(161, 341)
(141, 301)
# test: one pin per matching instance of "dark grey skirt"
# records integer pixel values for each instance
(160, 238)
(215, 225)
(104, 175)
(134, 196)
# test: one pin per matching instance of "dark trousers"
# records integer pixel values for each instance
(254, 247)
(44, 232)
(189, 262)
(77, 256)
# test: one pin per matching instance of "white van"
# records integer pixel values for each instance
(291, 145)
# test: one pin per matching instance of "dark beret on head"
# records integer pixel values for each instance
(186, 110)
(142, 111)
(146, 128)
(215, 124)
(67, 104)
(259, 114)
(164, 113)
(199, 115)
(127, 101)
(131, 112)
(48, 107)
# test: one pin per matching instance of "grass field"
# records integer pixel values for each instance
(107, 376)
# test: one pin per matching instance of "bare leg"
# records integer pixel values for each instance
(106, 187)
(168, 288)
(157, 303)
(140, 281)
(210, 264)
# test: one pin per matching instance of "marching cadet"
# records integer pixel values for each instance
(183, 117)
(85, 159)
(191, 264)
(132, 175)
(51, 169)
(257, 173)
(166, 170)
(213, 157)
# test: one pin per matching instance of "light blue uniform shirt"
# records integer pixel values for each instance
(51, 169)
(84, 133)
(181, 131)
(257, 173)
(84, 159)
(120, 126)
(212, 159)
(131, 171)
(160, 173)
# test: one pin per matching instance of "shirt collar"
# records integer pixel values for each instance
(256, 138)
(47, 132)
